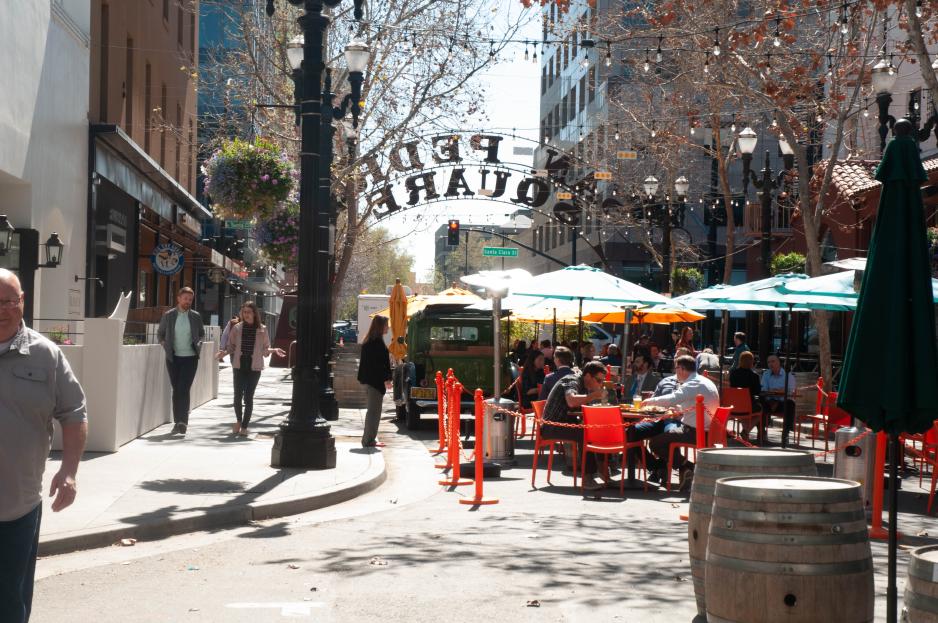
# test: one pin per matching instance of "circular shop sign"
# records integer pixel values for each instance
(167, 259)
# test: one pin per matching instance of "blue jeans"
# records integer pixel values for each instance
(19, 543)
(662, 434)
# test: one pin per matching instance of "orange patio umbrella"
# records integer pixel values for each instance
(397, 312)
(659, 314)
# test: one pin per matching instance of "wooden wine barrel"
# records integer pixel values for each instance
(921, 588)
(788, 549)
(349, 393)
(716, 463)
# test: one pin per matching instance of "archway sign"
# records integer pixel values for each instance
(436, 168)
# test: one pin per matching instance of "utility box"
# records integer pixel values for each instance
(499, 431)
(855, 459)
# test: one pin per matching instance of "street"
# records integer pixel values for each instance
(409, 552)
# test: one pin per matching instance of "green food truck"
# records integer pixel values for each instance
(438, 338)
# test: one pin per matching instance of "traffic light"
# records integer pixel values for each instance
(452, 233)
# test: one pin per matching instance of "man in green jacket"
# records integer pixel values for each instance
(181, 333)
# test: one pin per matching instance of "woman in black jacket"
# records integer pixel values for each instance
(744, 376)
(374, 372)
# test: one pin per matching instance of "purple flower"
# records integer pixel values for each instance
(265, 178)
(274, 182)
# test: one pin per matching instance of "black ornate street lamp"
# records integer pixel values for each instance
(670, 215)
(304, 438)
(883, 76)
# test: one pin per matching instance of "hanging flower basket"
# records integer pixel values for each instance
(248, 180)
(279, 235)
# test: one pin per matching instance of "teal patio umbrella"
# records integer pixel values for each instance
(838, 289)
(895, 322)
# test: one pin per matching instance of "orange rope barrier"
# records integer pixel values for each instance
(455, 453)
(479, 499)
(439, 412)
(879, 470)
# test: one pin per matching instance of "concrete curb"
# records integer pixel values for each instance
(220, 517)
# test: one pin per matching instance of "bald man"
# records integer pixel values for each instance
(37, 386)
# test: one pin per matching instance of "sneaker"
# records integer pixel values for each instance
(590, 484)
(175, 429)
(182, 429)
(235, 428)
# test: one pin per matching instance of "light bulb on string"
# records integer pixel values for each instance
(918, 8)
(658, 55)
(526, 56)
(706, 68)
(777, 37)
(608, 57)
(774, 120)
(716, 42)
(647, 65)
(617, 132)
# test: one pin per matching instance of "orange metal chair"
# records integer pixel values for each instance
(540, 442)
(742, 414)
(608, 438)
(930, 456)
(812, 418)
(716, 435)
(522, 422)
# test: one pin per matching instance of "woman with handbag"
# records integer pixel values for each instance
(248, 344)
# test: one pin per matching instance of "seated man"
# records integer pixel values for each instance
(773, 396)
(587, 353)
(612, 358)
(669, 383)
(682, 427)
(658, 363)
(563, 358)
(642, 379)
(707, 361)
(572, 392)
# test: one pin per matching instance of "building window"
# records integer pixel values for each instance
(190, 163)
(192, 34)
(147, 107)
(179, 24)
(543, 80)
(163, 126)
(177, 130)
(104, 73)
(566, 52)
(582, 93)
(129, 89)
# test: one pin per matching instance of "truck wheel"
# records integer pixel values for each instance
(413, 415)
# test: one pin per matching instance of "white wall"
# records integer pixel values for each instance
(127, 387)
(44, 79)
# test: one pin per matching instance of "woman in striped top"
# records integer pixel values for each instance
(249, 343)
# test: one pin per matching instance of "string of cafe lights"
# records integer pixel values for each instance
(656, 41)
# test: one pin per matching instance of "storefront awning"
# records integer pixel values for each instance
(144, 180)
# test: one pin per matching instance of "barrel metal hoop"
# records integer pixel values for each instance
(777, 458)
(922, 569)
(726, 489)
(790, 568)
(703, 509)
(712, 618)
(789, 539)
(920, 602)
(790, 518)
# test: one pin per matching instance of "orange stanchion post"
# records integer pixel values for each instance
(479, 453)
(445, 407)
(700, 422)
(439, 413)
(455, 452)
(879, 469)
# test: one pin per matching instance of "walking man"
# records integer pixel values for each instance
(36, 386)
(181, 334)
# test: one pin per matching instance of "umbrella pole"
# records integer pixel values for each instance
(507, 330)
(724, 321)
(623, 341)
(579, 331)
(786, 425)
(891, 589)
(554, 328)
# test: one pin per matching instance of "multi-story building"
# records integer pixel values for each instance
(146, 220)
(44, 73)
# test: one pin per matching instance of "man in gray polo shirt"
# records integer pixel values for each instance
(36, 386)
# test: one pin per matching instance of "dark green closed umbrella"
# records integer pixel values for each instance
(890, 374)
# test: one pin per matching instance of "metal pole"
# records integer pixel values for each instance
(496, 327)
(304, 439)
(467, 252)
(666, 251)
(892, 593)
(767, 189)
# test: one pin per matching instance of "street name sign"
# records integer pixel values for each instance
(499, 251)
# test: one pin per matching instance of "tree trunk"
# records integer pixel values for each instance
(917, 39)
(727, 199)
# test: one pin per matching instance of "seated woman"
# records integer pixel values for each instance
(531, 377)
(744, 376)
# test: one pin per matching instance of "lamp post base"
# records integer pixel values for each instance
(308, 449)
(328, 405)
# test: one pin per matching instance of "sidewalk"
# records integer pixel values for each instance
(162, 484)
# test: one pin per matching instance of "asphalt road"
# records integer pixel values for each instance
(406, 552)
